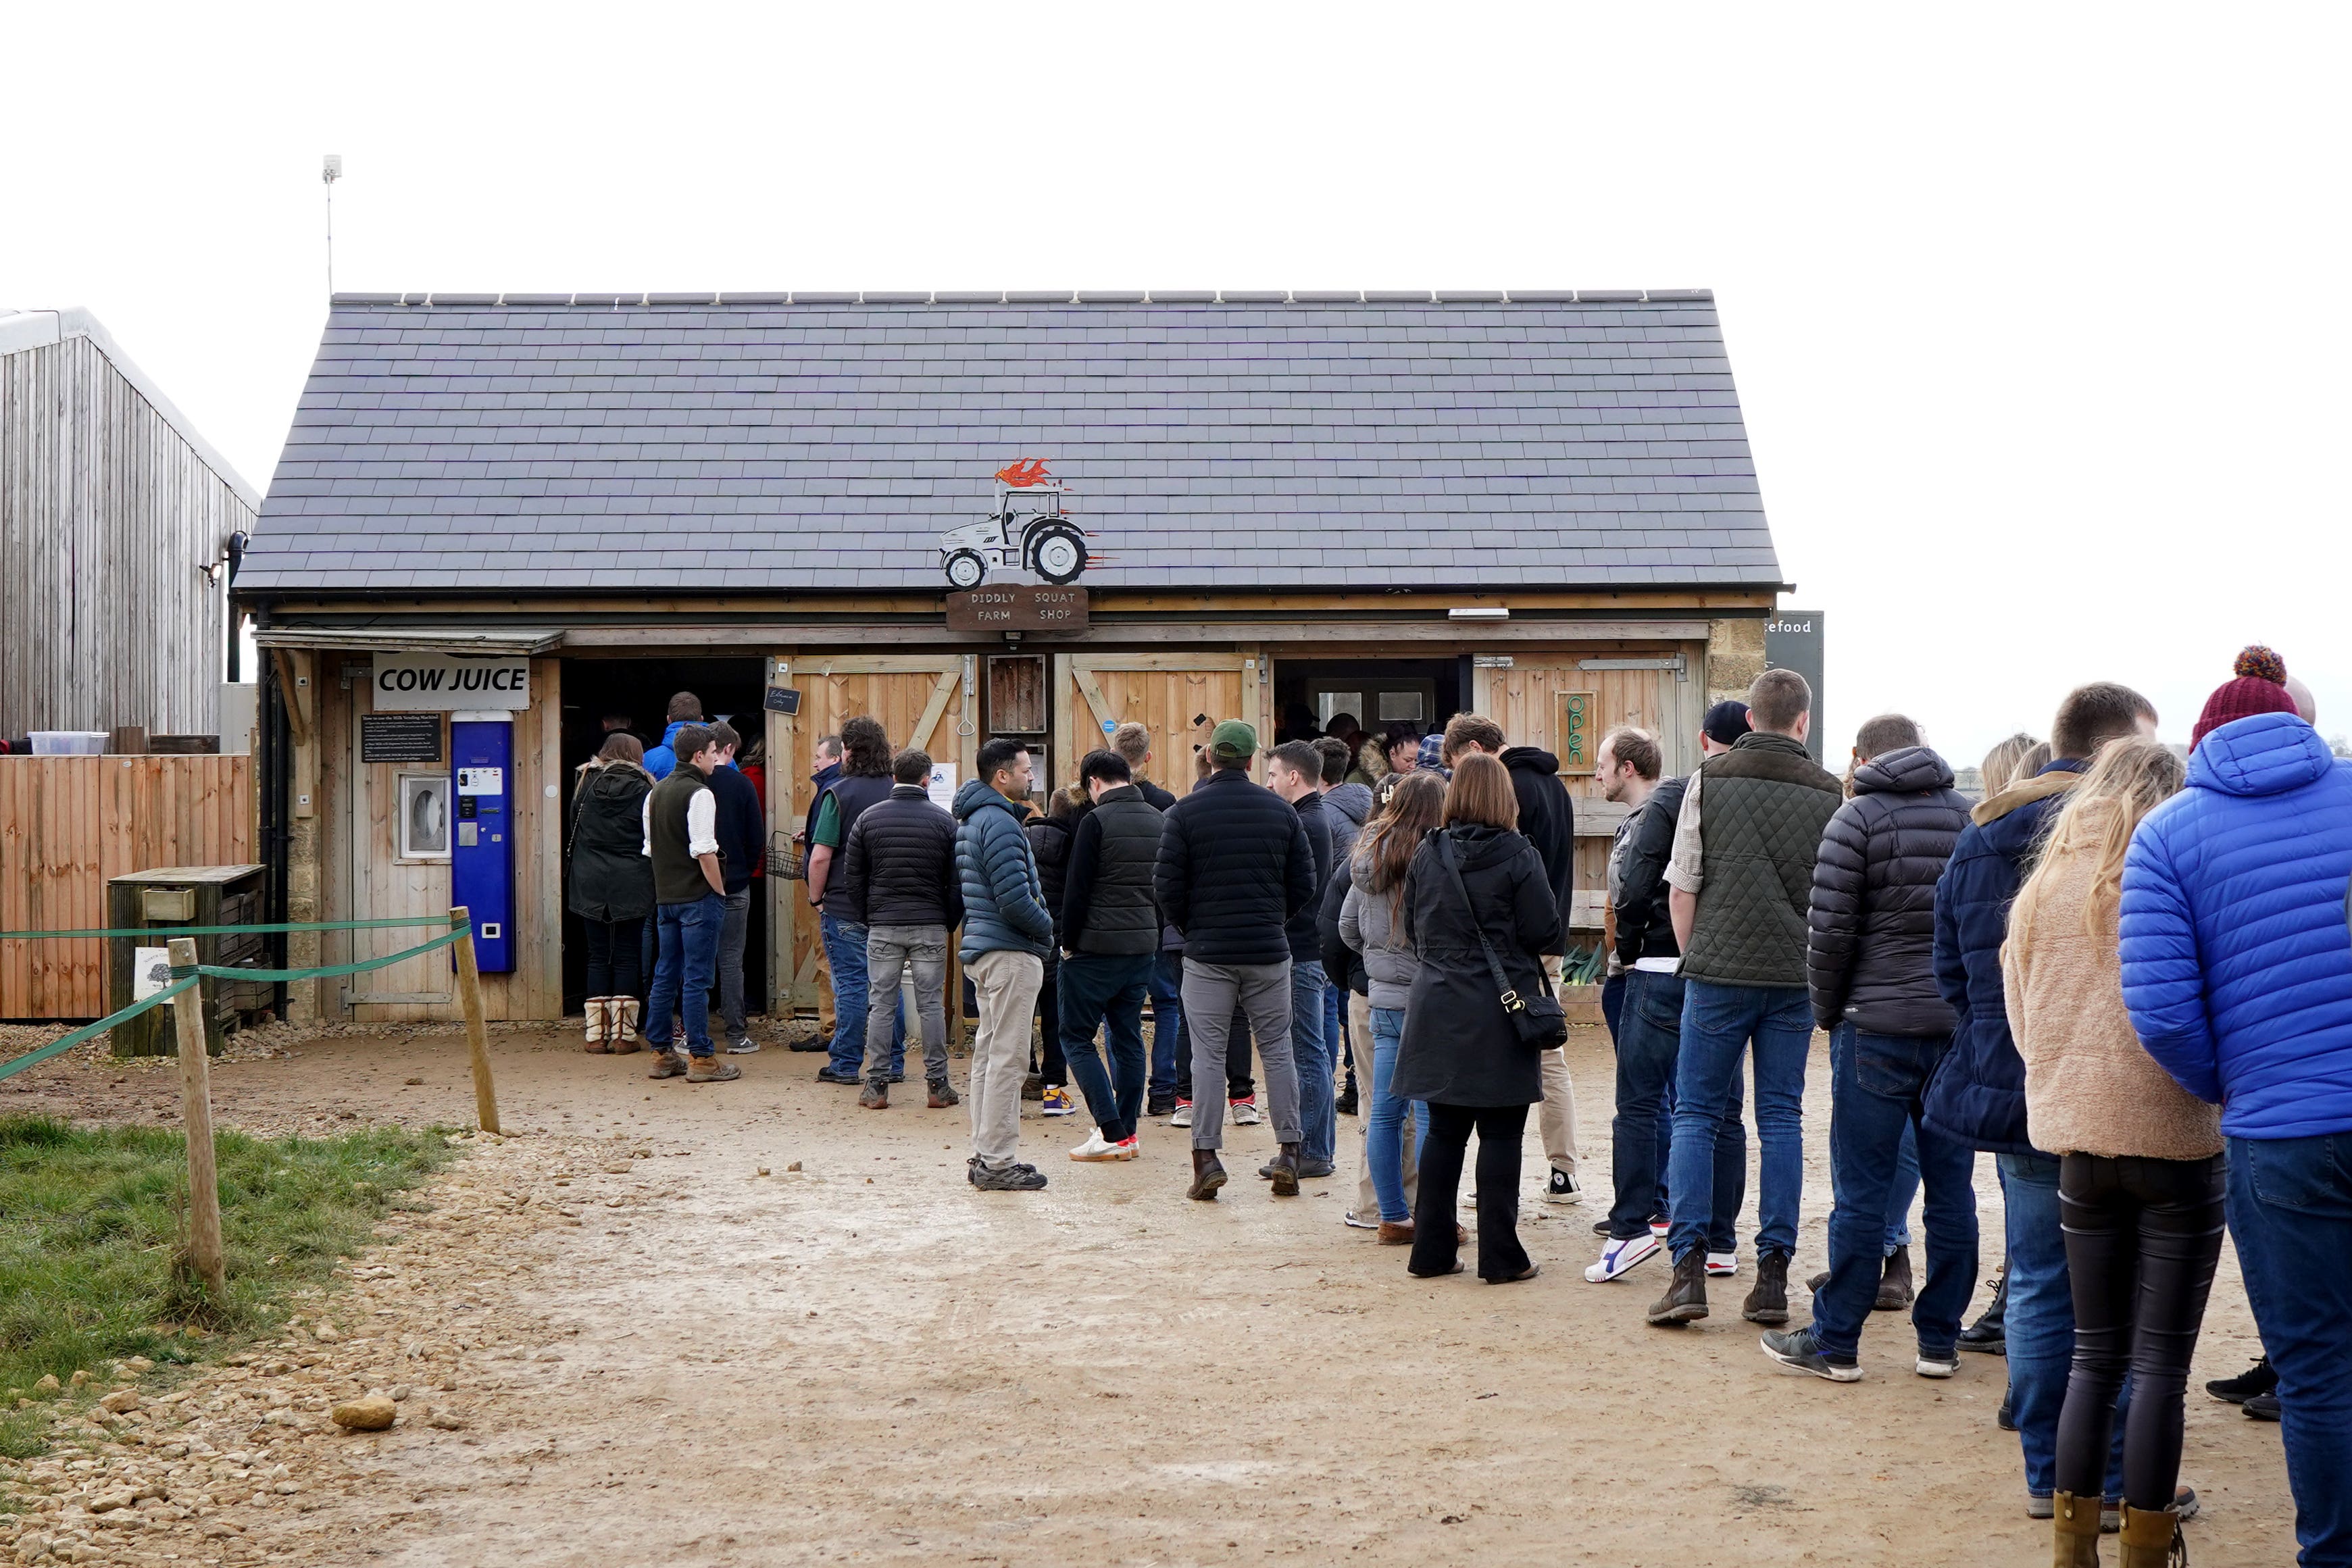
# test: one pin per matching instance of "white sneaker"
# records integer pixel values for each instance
(1928, 1366)
(1095, 1150)
(743, 1047)
(1618, 1258)
(1355, 1221)
(1722, 1265)
(1184, 1116)
(1244, 1113)
(1127, 1149)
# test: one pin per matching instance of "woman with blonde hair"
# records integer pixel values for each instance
(2140, 1177)
(1371, 921)
(1477, 899)
(1999, 768)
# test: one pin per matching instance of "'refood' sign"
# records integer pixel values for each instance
(450, 683)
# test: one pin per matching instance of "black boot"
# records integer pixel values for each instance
(1768, 1303)
(1895, 1289)
(1989, 1334)
(1208, 1175)
(1285, 1169)
(1346, 1104)
(2253, 1382)
(1685, 1298)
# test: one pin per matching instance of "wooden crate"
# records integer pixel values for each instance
(167, 897)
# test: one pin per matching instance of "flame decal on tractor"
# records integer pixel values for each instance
(1023, 473)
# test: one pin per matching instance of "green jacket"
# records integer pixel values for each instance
(1762, 806)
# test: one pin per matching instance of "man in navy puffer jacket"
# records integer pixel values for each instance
(1006, 934)
(1978, 1094)
(2238, 972)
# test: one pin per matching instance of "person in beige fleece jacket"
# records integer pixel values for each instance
(2140, 1174)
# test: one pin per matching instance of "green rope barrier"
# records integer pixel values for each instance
(330, 970)
(229, 930)
(101, 1027)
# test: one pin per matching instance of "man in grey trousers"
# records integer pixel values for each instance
(1235, 866)
(898, 881)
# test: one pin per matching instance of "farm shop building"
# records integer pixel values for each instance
(1541, 505)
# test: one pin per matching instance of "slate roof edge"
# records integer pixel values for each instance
(1423, 590)
(1017, 299)
(39, 328)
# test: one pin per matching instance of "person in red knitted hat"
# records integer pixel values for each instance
(2260, 687)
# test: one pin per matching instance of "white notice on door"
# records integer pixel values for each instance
(150, 971)
(481, 782)
(942, 786)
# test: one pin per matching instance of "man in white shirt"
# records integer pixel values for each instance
(690, 903)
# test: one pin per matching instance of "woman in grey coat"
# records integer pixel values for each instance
(1372, 921)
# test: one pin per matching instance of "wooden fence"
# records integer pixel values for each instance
(68, 823)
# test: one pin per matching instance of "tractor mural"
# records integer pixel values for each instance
(1028, 531)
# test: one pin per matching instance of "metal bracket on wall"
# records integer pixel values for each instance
(1678, 664)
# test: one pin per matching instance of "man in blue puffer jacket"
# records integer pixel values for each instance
(1007, 931)
(1978, 1095)
(2238, 971)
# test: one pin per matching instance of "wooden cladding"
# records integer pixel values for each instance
(1016, 694)
(68, 824)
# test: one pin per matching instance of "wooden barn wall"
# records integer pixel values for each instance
(68, 824)
(105, 516)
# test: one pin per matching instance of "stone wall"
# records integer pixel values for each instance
(1735, 657)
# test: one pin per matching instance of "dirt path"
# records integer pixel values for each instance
(701, 1356)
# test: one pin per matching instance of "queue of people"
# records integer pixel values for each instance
(2123, 976)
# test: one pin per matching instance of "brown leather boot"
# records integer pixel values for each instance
(711, 1069)
(1285, 1166)
(2151, 1538)
(1768, 1303)
(2074, 1531)
(1685, 1298)
(1208, 1175)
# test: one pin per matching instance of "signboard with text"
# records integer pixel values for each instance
(1793, 640)
(450, 683)
(1018, 607)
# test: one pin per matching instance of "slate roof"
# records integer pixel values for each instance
(750, 442)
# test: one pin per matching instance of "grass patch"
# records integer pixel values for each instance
(93, 1224)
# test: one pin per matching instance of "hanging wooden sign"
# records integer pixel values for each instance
(1018, 607)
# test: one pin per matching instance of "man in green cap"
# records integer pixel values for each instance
(1235, 866)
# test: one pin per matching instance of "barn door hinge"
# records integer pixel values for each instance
(1679, 665)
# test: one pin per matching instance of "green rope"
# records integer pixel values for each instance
(221, 972)
(101, 1027)
(230, 930)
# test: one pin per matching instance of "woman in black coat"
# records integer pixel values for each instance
(1460, 1053)
(612, 886)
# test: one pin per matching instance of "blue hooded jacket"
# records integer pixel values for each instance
(660, 759)
(1978, 1094)
(1003, 901)
(2237, 965)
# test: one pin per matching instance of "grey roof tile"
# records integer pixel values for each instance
(825, 442)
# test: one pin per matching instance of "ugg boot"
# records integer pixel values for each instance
(1284, 1168)
(600, 1028)
(1208, 1175)
(2074, 1526)
(625, 1013)
(2151, 1538)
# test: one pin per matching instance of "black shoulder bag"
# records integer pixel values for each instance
(1542, 1021)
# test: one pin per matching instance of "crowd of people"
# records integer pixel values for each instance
(2122, 973)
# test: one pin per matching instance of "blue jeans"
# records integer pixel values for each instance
(1319, 1118)
(1167, 1019)
(1905, 1185)
(1613, 1002)
(2040, 1325)
(845, 954)
(1876, 1095)
(2291, 1214)
(1106, 991)
(1386, 1149)
(682, 973)
(1649, 1042)
(1719, 1023)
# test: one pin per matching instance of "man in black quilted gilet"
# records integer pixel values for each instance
(1739, 886)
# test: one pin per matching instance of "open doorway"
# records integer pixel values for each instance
(639, 691)
(1311, 695)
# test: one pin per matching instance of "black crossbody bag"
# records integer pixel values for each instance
(1540, 1021)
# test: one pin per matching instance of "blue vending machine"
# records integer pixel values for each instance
(481, 860)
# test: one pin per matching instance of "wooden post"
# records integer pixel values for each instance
(478, 1039)
(197, 1110)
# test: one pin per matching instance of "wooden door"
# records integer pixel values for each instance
(387, 886)
(928, 701)
(1180, 697)
(1565, 700)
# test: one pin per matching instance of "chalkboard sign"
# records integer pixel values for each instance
(400, 737)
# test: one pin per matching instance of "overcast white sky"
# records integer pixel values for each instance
(2035, 311)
